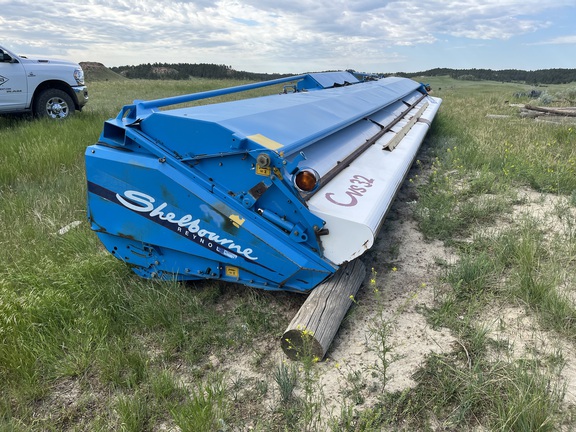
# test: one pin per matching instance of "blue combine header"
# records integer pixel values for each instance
(274, 192)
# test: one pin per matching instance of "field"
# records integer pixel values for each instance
(466, 321)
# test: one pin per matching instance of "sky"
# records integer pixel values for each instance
(298, 36)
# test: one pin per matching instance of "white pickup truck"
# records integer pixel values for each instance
(47, 88)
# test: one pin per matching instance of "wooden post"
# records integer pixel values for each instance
(561, 111)
(313, 328)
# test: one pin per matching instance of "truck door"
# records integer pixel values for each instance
(13, 83)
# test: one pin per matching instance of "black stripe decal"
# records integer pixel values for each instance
(202, 241)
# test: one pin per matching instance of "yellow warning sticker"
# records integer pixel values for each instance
(265, 142)
(237, 220)
(232, 271)
(263, 171)
(277, 173)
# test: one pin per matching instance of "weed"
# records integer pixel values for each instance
(286, 378)
(133, 413)
(312, 398)
(122, 367)
(165, 389)
(355, 385)
(380, 343)
(472, 275)
(205, 407)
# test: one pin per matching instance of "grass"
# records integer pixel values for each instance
(286, 378)
(86, 345)
(477, 168)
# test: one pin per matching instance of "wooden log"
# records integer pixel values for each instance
(568, 111)
(313, 328)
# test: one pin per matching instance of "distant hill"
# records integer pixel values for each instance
(542, 76)
(94, 71)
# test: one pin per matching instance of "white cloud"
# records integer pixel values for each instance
(260, 35)
(560, 40)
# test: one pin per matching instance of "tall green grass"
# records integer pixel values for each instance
(86, 345)
(479, 167)
(70, 313)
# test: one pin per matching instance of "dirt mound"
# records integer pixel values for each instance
(94, 71)
(90, 66)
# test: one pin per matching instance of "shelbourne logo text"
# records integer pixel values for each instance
(186, 225)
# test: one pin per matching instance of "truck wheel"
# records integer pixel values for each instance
(54, 103)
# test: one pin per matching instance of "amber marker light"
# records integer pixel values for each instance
(307, 180)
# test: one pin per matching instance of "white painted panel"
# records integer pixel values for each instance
(355, 202)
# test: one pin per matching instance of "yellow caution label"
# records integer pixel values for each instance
(265, 142)
(263, 171)
(237, 220)
(277, 173)
(232, 271)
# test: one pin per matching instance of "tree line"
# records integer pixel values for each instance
(542, 76)
(182, 71)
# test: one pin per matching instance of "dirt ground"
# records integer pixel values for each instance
(406, 273)
(404, 267)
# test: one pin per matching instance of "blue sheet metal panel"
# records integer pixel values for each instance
(327, 80)
(136, 202)
(234, 177)
(187, 137)
(293, 120)
(317, 81)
